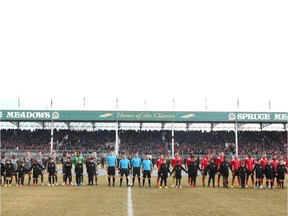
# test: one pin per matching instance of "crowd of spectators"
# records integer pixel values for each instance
(148, 142)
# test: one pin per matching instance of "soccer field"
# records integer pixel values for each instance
(104, 200)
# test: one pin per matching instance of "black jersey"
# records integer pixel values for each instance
(178, 169)
(68, 167)
(9, 169)
(193, 167)
(51, 169)
(37, 169)
(269, 169)
(281, 170)
(91, 168)
(21, 170)
(224, 169)
(212, 168)
(164, 169)
(258, 169)
(242, 170)
(79, 168)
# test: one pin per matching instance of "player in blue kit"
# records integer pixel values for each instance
(147, 168)
(110, 167)
(124, 166)
(136, 165)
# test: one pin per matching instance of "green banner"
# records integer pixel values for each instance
(142, 116)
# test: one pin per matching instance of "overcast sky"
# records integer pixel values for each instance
(140, 51)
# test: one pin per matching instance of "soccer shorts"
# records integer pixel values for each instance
(111, 171)
(146, 173)
(136, 171)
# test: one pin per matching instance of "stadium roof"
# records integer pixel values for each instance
(144, 120)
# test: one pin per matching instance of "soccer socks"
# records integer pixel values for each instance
(70, 180)
(143, 182)
(92, 181)
(121, 179)
(127, 181)
(109, 180)
(149, 182)
(49, 179)
(203, 180)
(35, 181)
(233, 180)
(113, 181)
(157, 182)
(139, 181)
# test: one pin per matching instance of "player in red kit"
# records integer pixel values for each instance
(219, 161)
(188, 161)
(275, 164)
(175, 161)
(158, 165)
(249, 164)
(263, 162)
(204, 164)
(235, 164)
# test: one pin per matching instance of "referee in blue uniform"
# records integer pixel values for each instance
(147, 168)
(110, 167)
(124, 165)
(136, 165)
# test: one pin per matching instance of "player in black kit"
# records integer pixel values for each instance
(37, 170)
(212, 170)
(224, 171)
(178, 169)
(21, 171)
(79, 172)
(67, 171)
(164, 170)
(193, 168)
(9, 171)
(52, 170)
(281, 170)
(259, 173)
(242, 170)
(91, 171)
(269, 174)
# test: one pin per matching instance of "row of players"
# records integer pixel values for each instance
(269, 168)
(12, 167)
